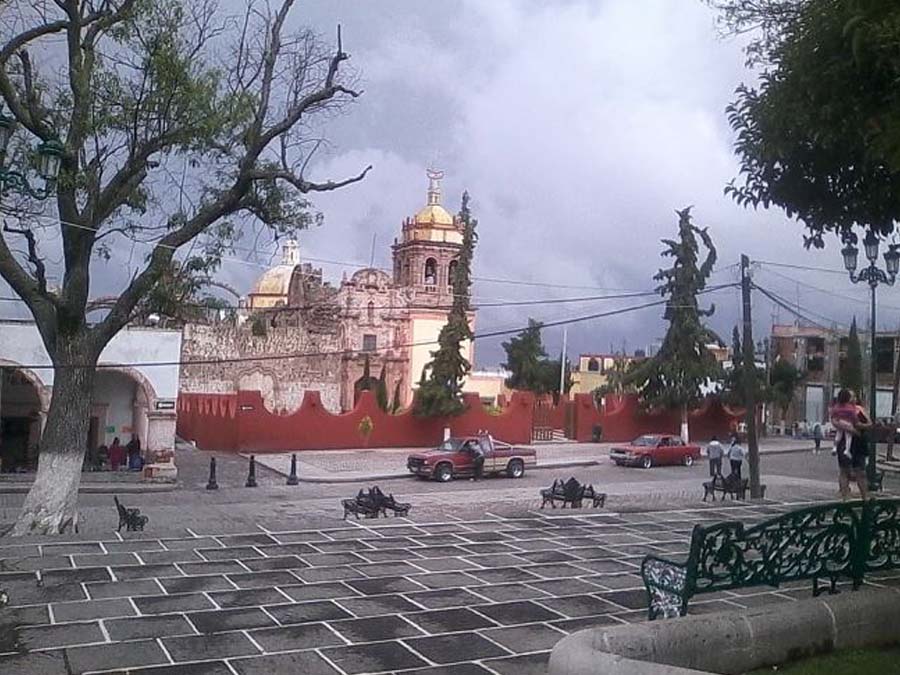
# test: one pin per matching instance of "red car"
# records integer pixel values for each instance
(454, 459)
(655, 450)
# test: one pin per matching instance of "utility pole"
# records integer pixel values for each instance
(562, 363)
(750, 377)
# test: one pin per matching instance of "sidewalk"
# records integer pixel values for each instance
(349, 466)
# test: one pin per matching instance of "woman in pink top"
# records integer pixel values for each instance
(851, 422)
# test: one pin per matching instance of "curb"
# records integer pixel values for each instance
(406, 474)
(99, 488)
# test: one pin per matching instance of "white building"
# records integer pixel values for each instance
(129, 398)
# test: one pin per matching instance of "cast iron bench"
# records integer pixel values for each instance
(571, 492)
(727, 485)
(824, 542)
(373, 503)
(130, 518)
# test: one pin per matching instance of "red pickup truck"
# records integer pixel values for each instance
(454, 459)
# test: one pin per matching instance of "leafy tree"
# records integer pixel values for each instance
(674, 376)
(440, 390)
(819, 135)
(733, 383)
(851, 368)
(524, 354)
(549, 378)
(784, 378)
(174, 118)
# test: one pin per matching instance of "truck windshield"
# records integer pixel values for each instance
(451, 444)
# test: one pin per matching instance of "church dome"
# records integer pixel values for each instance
(434, 214)
(274, 281)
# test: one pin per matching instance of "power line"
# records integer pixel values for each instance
(825, 291)
(784, 304)
(321, 354)
(801, 267)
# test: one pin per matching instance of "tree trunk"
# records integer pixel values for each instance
(684, 425)
(51, 505)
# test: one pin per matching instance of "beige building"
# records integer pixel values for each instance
(592, 371)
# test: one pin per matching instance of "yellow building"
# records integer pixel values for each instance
(593, 371)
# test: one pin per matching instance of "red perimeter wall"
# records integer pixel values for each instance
(240, 422)
(623, 420)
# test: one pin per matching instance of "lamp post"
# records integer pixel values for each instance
(48, 156)
(872, 275)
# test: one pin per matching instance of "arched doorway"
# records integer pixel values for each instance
(23, 406)
(120, 409)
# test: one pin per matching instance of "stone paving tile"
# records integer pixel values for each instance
(169, 556)
(579, 605)
(630, 599)
(490, 560)
(307, 663)
(312, 575)
(443, 599)
(340, 546)
(616, 581)
(210, 582)
(75, 576)
(64, 635)
(69, 549)
(375, 629)
(495, 547)
(246, 540)
(306, 612)
(329, 559)
(389, 554)
(129, 572)
(32, 563)
(319, 591)
(162, 625)
(524, 639)
(204, 668)
(216, 646)
(284, 562)
(104, 559)
(502, 575)
(230, 553)
(391, 569)
(449, 620)
(300, 636)
(572, 625)
(191, 543)
(373, 658)
(216, 567)
(508, 592)
(100, 590)
(35, 663)
(179, 602)
(512, 613)
(253, 597)
(454, 648)
(23, 590)
(528, 664)
(383, 585)
(217, 621)
(92, 609)
(378, 604)
(134, 545)
(115, 655)
(455, 669)
(11, 618)
(263, 579)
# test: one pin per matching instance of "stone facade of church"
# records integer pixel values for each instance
(297, 332)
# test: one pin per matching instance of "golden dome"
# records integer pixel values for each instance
(434, 214)
(274, 281)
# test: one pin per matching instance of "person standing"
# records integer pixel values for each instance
(852, 424)
(116, 454)
(477, 460)
(817, 437)
(714, 452)
(134, 453)
(736, 455)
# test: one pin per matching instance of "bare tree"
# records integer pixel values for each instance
(149, 99)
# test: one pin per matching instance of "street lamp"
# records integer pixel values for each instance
(873, 276)
(49, 154)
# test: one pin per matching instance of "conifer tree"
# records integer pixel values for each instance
(440, 391)
(395, 403)
(381, 395)
(851, 370)
(674, 376)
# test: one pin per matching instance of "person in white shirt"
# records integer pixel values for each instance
(714, 452)
(736, 456)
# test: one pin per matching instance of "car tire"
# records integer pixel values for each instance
(515, 469)
(646, 461)
(443, 472)
(688, 460)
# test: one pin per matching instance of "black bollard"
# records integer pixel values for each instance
(212, 484)
(292, 479)
(251, 477)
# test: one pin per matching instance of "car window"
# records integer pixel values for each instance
(451, 445)
(664, 442)
(677, 441)
(646, 441)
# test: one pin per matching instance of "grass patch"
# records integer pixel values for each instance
(849, 662)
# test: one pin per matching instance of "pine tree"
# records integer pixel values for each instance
(440, 393)
(523, 358)
(381, 396)
(851, 370)
(395, 403)
(674, 376)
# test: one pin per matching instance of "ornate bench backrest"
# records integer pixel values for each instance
(816, 542)
(881, 525)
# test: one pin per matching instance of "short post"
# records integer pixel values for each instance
(292, 479)
(212, 484)
(251, 476)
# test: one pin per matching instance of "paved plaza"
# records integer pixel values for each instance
(243, 581)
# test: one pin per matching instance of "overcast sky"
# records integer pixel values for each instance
(578, 127)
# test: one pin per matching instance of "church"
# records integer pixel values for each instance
(296, 331)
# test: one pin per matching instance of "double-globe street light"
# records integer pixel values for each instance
(48, 157)
(872, 275)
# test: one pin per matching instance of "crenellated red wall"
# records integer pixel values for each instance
(623, 419)
(240, 422)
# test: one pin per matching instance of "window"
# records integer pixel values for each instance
(370, 312)
(370, 342)
(451, 270)
(593, 365)
(431, 272)
(884, 354)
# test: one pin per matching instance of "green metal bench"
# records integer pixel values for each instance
(824, 542)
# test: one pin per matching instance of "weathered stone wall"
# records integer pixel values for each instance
(282, 381)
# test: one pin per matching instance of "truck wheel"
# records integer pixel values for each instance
(515, 469)
(443, 472)
(688, 460)
(646, 461)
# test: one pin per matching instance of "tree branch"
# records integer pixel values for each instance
(304, 185)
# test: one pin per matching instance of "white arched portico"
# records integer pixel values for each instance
(24, 401)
